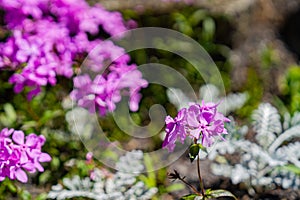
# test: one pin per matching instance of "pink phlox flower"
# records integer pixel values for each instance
(175, 130)
(198, 122)
(17, 160)
(19, 154)
(49, 37)
(26, 47)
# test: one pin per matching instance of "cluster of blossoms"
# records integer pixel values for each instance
(199, 122)
(18, 154)
(50, 38)
(102, 93)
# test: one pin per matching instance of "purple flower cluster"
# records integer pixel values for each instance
(19, 154)
(48, 38)
(198, 122)
(103, 92)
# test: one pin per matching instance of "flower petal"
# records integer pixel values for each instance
(195, 133)
(18, 137)
(44, 157)
(21, 175)
(31, 140)
(29, 167)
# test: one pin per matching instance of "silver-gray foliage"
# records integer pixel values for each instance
(86, 126)
(262, 163)
(122, 185)
(209, 93)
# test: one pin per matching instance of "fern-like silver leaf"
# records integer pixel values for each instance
(290, 153)
(267, 162)
(123, 185)
(266, 124)
(209, 93)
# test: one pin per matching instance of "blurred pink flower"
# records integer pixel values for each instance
(50, 36)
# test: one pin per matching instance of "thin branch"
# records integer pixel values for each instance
(192, 187)
(200, 178)
(176, 175)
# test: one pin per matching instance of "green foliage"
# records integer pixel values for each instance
(25, 195)
(255, 91)
(9, 117)
(42, 115)
(9, 189)
(189, 197)
(42, 196)
(200, 25)
(150, 179)
(269, 57)
(292, 168)
(209, 194)
(8, 186)
(174, 187)
(157, 178)
(194, 151)
(290, 88)
(219, 193)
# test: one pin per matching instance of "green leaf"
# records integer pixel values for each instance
(203, 148)
(44, 177)
(189, 197)
(49, 115)
(208, 191)
(9, 117)
(55, 163)
(25, 195)
(10, 112)
(291, 168)
(11, 186)
(219, 193)
(194, 151)
(144, 179)
(150, 171)
(4, 120)
(175, 187)
(197, 16)
(28, 125)
(209, 28)
(42, 196)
